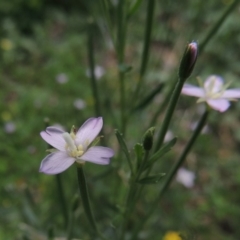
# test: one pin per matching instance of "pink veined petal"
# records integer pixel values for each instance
(220, 105)
(191, 90)
(216, 81)
(53, 136)
(89, 131)
(232, 93)
(98, 155)
(55, 163)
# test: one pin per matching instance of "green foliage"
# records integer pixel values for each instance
(43, 79)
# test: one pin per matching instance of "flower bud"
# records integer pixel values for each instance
(148, 139)
(188, 61)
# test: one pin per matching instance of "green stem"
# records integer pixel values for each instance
(92, 68)
(163, 105)
(70, 226)
(169, 113)
(121, 31)
(62, 199)
(122, 102)
(173, 171)
(85, 200)
(185, 152)
(121, 35)
(131, 199)
(104, 5)
(216, 26)
(146, 45)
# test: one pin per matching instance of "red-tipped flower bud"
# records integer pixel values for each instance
(188, 61)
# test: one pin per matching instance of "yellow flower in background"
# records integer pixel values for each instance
(171, 235)
(6, 44)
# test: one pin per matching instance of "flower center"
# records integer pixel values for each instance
(71, 147)
(214, 89)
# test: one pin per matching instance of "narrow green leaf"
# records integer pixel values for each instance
(166, 148)
(134, 7)
(152, 179)
(149, 98)
(124, 148)
(138, 148)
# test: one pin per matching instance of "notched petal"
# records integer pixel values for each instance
(55, 163)
(89, 131)
(53, 136)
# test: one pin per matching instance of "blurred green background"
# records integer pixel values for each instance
(44, 80)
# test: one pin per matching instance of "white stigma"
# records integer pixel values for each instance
(71, 147)
(70, 143)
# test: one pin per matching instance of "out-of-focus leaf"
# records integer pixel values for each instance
(124, 148)
(152, 179)
(166, 148)
(148, 99)
(134, 7)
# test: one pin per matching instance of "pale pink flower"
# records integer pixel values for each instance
(74, 147)
(214, 92)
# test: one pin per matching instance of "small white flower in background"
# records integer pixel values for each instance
(169, 136)
(185, 177)
(214, 92)
(74, 147)
(98, 71)
(205, 129)
(79, 104)
(9, 127)
(62, 78)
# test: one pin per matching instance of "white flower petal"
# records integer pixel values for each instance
(99, 155)
(53, 136)
(191, 90)
(55, 163)
(232, 93)
(89, 130)
(185, 177)
(220, 104)
(213, 82)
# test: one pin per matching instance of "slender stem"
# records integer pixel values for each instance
(50, 233)
(92, 68)
(122, 102)
(105, 8)
(121, 35)
(85, 200)
(126, 214)
(169, 113)
(62, 199)
(185, 152)
(70, 226)
(146, 45)
(121, 31)
(131, 199)
(216, 26)
(173, 171)
(163, 105)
